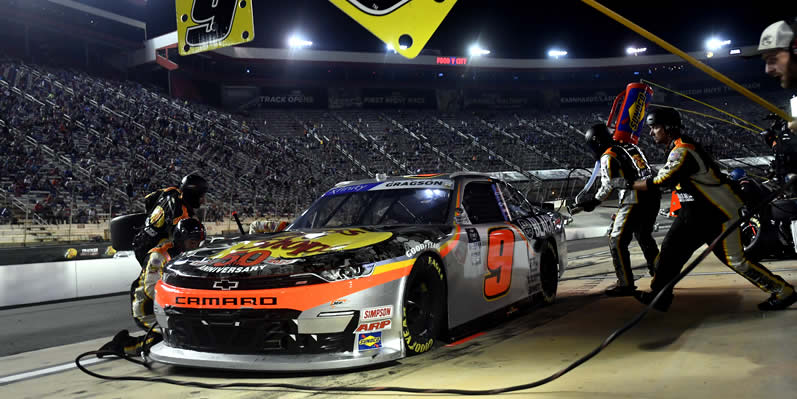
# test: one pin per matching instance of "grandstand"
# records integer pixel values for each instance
(85, 140)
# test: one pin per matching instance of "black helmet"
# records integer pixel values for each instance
(667, 117)
(188, 229)
(598, 138)
(193, 187)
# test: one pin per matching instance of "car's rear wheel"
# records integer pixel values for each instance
(549, 272)
(423, 310)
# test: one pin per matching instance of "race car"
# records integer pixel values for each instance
(372, 271)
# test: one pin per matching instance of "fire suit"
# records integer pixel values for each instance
(708, 207)
(622, 164)
(165, 209)
(142, 294)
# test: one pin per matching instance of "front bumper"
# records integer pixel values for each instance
(276, 363)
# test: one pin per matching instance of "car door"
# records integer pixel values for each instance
(494, 273)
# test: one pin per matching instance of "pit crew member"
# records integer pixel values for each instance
(165, 208)
(621, 165)
(708, 207)
(188, 235)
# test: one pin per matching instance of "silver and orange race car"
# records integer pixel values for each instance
(373, 271)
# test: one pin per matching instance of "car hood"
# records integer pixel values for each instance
(284, 255)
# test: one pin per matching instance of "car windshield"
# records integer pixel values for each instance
(382, 207)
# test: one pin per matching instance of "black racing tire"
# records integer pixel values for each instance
(423, 310)
(549, 272)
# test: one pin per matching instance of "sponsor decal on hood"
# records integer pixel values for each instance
(297, 245)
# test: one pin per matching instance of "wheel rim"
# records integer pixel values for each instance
(750, 231)
(419, 308)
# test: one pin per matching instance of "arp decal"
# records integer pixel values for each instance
(369, 341)
(373, 326)
(298, 245)
(380, 312)
(204, 25)
(390, 20)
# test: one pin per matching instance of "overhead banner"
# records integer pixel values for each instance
(204, 25)
(589, 97)
(353, 98)
(292, 98)
(489, 99)
(345, 98)
(387, 98)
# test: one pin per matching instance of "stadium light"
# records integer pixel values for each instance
(556, 53)
(735, 51)
(714, 44)
(635, 50)
(298, 42)
(476, 50)
(390, 47)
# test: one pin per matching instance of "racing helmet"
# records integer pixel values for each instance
(598, 139)
(737, 174)
(193, 188)
(667, 117)
(188, 229)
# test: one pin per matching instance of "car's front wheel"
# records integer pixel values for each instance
(423, 310)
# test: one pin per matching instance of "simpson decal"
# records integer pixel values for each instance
(381, 312)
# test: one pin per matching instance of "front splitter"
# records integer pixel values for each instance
(277, 363)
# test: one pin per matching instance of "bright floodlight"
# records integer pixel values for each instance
(390, 47)
(476, 50)
(714, 44)
(297, 42)
(635, 50)
(557, 53)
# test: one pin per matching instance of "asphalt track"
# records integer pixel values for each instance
(712, 343)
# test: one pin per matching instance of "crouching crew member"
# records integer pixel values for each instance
(188, 235)
(708, 208)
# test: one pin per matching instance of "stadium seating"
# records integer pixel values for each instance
(81, 147)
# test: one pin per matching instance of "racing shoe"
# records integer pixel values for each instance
(773, 303)
(662, 305)
(620, 290)
(116, 345)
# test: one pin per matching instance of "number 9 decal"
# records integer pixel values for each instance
(500, 253)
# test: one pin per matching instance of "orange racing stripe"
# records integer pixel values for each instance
(299, 298)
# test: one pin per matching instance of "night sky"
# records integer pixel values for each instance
(509, 29)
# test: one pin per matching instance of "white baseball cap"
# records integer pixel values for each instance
(776, 36)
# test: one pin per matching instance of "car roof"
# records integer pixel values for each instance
(445, 176)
